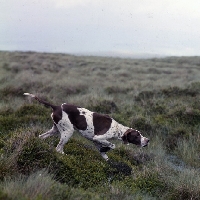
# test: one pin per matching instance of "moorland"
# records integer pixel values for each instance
(158, 96)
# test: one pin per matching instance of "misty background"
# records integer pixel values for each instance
(102, 27)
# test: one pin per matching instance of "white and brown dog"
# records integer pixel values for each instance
(96, 127)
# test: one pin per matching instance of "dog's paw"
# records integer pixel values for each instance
(62, 152)
(95, 138)
(103, 154)
(112, 146)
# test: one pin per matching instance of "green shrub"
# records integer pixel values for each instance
(141, 124)
(185, 185)
(157, 108)
(6, 111)
(145, 95)
(103, 106)
(34, 155)
(9, 122)
(7, 166)
(73, 168)
(147, 182)
(23, 116)
(188, 149)
(117, 90)
(37, 186)
(130, 157)
(4, 196)
(174, 136)
(177, 92)
(192, 90)
(33, 109)
(66, 90)
(187, 116)
(150, 182)
(182, 193)
(11, 91)
(121, 118)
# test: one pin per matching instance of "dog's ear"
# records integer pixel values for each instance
(125, 137)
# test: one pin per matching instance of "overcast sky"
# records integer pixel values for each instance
(162, 27)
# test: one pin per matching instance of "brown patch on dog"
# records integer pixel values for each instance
(124, 137)
(132, 136)
(101, 123)
(79, 121)
(57, 114)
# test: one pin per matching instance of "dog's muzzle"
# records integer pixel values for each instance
(144, 141)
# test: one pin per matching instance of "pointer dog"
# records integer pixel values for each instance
(96, 127)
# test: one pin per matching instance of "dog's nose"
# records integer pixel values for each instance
(148, 140)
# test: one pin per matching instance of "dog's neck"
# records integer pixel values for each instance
(121, 130)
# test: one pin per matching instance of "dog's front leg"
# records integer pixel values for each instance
(51, 132)
(103, 145)
(63, 140)
(102, 150)
(103, 140)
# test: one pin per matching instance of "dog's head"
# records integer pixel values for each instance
(135, 137)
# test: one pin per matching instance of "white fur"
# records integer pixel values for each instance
(66, 130)
(143, 141)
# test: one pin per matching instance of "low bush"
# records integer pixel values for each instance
(103, 106)
(39, 185)
(11, 91)
(177, 92)
(7, 166)
(191, 90)
(33, 154)
(66, 90)
(188, 150)
(6, 111)
(131, 157)
(23, 116)
(14, 67)
(32, 109)
(174, 136)
(145, 95)
(4, 196)
(190, 117)
(117, 90)
(141, 124)
(150, 182)
(185, 185)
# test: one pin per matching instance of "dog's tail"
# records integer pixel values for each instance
(40, 100)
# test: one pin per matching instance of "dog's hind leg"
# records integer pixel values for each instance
(51, 132)
(63, 140)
